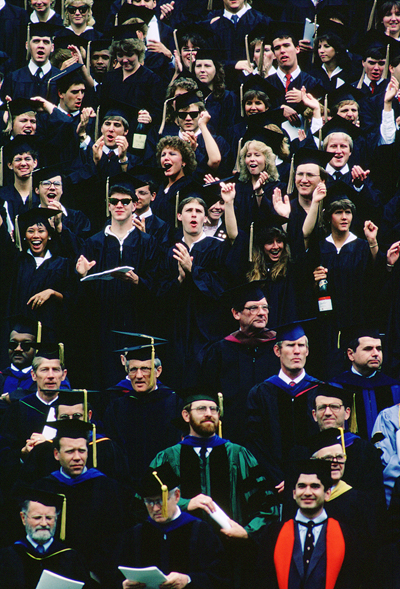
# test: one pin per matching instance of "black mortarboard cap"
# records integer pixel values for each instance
(128, 11)
(194, 29)
(211, 193)
(19, 106)
(307, 155)
(344, 92)
(375, 39)
(197, 393)
(208, 53)
(23, 324)
(238, 296)
(256, 82)
(272, 116)
(338, 124)
(116, 108)
(353, 332)
(44, 29)
(72, 71)
(24, 492)
(150, 485)
(63, 41)
(100, 45)
(331, 27)
(183, 101)
(49, 348)
(122, 32)
(20, 144)
(124, 179)
(260, 31)
(266, 136)
(71, 397)
(292, 331)
(143, 175)
(41, 174)
(34, 216)
(336, 391)
(281, 30)
(339, 190)
(325, 438)
(71, 428)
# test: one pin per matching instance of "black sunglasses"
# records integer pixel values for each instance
(123, 201)
(82, 9)
(25, 346)
(192, 114)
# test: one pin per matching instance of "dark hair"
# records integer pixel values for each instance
(63, 84)
(251, 94)
(118, 189)
(56, 441)
(386, 7)
(195, 39)
(189, 199)
(293, 40)
(324, 478)
(377, 53)
(337, 43)
(337, 205)
(219, 80)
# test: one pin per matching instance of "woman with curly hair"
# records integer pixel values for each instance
(272, 263)
(258, 179)
(221, 104)
(177, 160)
(79, 19)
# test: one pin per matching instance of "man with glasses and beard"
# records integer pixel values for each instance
(214, 471)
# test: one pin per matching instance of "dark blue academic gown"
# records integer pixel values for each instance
(22, 84)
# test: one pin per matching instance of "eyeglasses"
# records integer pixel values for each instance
(64, 416)
(48, 183)
(82, 9)
(203, 409)
(307, 175)
(192, 114)
(334, 407)
(144, 369)
(339, 458)
(254, 308)
(25, 346)
(124, 201)
(155, 501)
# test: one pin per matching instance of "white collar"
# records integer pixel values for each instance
(108, 231)
(35, 18)
(202, 236)
(367, 81)
(241, 12)
(39, 261)
(287, 378)
(44, 402)
(197, 133)
(282, 75)
(84, 31)
(331, 170)
(354, 371)
(33, 68)
(350, 238)
(35, 544)
(24, 370)
(145, 215)
(67, 475)
(107, 150)
(335, 72)
(317, 520)
(69, 114)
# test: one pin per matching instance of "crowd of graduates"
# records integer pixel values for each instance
(185, 150)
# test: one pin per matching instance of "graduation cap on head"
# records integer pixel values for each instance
(102, 44)
(63, 41)
(144, 348)
(144, 175)
(41, 174)
(209, 53)
(23, 324)
(49, 348)
(259, 84)
(20, 106)
(123, 32)
(211, 193)
(326, 438)
(339, 124)
(115, 108)
(72, 72)
(339, 190)
(28, 219)
(344, 92)
(331, 27)
(292, 331)
(123, 179)
(72, 428)
(36, 494)
(307, 155)
(193, 30)
(282, 30)
(197, 393)
(336, 391)
(128, 11)
(43, 29)
(237, 297)
(158, 481)
(373, 41)
(20, 144)
(272, 139)
(183, 101)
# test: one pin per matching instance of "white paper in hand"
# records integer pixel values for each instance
(49, 580)
(221, 518)
(151, 576)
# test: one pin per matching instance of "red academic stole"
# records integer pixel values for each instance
(335, 549)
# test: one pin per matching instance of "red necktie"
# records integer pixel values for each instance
(288, 77)
(372, 86)
(292, 384)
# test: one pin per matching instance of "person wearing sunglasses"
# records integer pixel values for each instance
(79, 19)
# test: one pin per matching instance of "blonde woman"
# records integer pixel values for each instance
(78, 18)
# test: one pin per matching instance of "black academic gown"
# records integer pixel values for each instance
(371, 396)
(186, 545)
(303, 79)
(15, 204)
(143, 425)
(21, 565)
(13, 21)
(22, 84)
(234, 367)
(279, 417)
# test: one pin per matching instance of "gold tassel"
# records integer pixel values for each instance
(320, 139)
(176, 209)
(176, 42)
(246, 46)
(372, 16)
(63, 524)
(353, 418)
(39, 333)
(251, 240)
(342, 440)
(237, 163)
(221, 412)
(326, 109)
(61, 352)
(209, 5)
(107, 196)
(164, 495)
(339, 337)
(261, 61)
(116, 20)
(97, 125)
(62, 10)
(94, 447)
(220, 429)
(315, 34)
(28, 39)
(290, 186)
(386, 68)
(241, 100)
(18, 242)
(153, 357)
(88, 57)
(85, 408)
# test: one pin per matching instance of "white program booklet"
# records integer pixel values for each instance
(152, 576)
(309, 31)
(49, 580)
(221, 518)
(106, 275)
